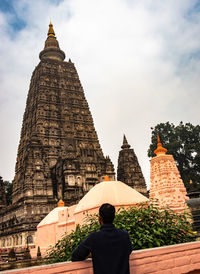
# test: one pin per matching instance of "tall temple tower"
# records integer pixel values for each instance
(129, 170)
(59, 155)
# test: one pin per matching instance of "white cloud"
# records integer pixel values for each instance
(138, 62)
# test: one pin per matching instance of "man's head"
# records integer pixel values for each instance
(106, 214)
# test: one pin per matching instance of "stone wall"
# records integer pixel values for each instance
(175, 259)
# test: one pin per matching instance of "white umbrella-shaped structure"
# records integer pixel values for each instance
(113, 192)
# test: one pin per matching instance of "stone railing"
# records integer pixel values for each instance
(176, 259)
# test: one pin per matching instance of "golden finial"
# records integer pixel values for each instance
(106, 178)
(61, 203)
(51, 31)
(191, 181)
(160, 150)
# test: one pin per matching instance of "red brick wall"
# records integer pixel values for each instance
(173, 259)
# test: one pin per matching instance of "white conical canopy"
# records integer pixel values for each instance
(52, 217)
(113, 192)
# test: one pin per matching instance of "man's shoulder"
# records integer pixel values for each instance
(93, 234)
(118, 231)
(122, 232)
(113, 229)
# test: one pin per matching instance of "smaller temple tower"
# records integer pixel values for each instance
(129, 170)
(166, 186)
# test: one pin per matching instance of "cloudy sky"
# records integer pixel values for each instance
(138, 61)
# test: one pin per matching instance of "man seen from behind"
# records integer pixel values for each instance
(110, 247)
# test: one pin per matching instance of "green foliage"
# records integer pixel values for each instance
(150, 227)
(183, 142)
(147, 226)
(8, 191)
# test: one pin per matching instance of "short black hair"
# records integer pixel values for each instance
(107, 213)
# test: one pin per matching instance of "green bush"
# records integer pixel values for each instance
(147, 226)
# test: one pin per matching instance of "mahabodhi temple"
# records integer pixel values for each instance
(59, 154)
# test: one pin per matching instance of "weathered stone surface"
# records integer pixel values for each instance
(59, 155)
(129, 170)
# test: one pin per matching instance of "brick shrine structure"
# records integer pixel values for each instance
(166, 186)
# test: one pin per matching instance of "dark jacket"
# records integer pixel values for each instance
(110, 248)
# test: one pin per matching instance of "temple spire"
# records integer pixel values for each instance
(160, 149)
(51, 30)
(129, 170)
(51, 48)
(125, 143)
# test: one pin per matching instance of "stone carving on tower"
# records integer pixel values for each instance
(129, 170)
(59, 155)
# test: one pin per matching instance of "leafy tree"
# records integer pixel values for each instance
(147, 226)
(183, 142)
(8, 191)
(2, 192)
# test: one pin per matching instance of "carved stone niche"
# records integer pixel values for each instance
(85, 186)
(29, 192)
(38, 164)
(39, 176)
(52, 162)
(70, 179)
(79, 180)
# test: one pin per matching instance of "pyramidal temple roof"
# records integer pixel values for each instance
(125, 143)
